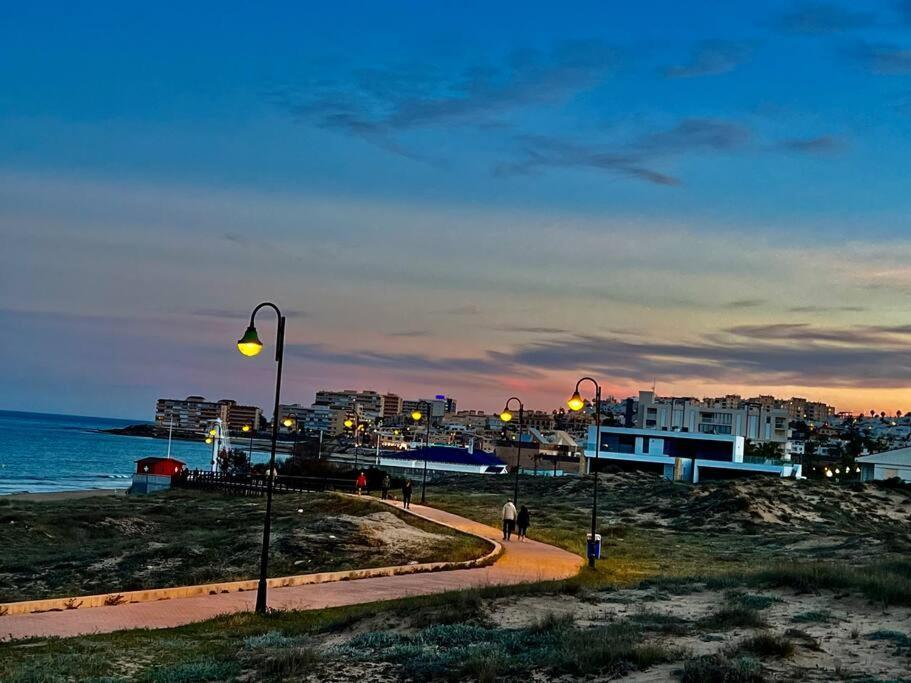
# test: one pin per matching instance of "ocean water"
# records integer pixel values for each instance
(40, 452)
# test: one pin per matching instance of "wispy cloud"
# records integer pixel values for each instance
(816, 18)
(533, 329)
(823, 144)
(377, 104)
(826, 309)
(634, 159)
(745, 303)
(409, 333)
(882, 58)
(712, 58)
(776, 354)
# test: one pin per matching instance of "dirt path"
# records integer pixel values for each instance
(520, 563)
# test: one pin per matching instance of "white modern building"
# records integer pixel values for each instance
(755, 421)
(682, 456)
(886, 465)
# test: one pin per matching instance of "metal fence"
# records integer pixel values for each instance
(256, 484)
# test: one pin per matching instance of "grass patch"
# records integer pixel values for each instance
(765, 645)
(190, 672)
(666, 624)
(458, 651)
(886, 583)
(901, 640)
(720, 669)
(751, 600)
(111, 544)
(730, 617)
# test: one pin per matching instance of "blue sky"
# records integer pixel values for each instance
(459, 198)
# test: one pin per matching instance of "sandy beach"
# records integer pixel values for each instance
(64, 495)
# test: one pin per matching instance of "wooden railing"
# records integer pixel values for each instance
(256, 484)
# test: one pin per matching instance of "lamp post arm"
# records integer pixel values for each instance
(279, 346)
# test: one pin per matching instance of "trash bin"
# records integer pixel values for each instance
(594, 547)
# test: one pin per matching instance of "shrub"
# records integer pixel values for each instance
(766, 645)
(267, 640)
(886, 583)
(733, 617)
(282, 663)
(204, 670)
(751, 600)
(719, 669)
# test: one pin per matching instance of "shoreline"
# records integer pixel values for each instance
(47, 496)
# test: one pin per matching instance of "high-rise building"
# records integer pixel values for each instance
(195, 413)
(390, 406)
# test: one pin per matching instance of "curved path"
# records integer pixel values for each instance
(520, 563)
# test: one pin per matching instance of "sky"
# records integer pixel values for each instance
(472, 199)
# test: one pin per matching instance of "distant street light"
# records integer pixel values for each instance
(356, 425)
(289, 422)
(250, 345)
(576, 404)
(249, 428)
(416, 416)
(506, 416)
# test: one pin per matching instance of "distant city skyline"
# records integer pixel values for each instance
(463, 199)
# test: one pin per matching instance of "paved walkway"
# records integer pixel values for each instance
(520, 563)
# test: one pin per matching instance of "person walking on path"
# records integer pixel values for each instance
(387, 482)
(361, 483)
(509, 519)
(406, 494)
(522, 522)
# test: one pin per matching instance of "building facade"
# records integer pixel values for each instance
(195, 413)
(754, 421)
(684, 456)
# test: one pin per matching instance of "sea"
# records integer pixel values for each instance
(41, 453)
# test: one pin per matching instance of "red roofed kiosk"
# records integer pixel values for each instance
(154, 474)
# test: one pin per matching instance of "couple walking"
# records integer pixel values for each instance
(512, 519)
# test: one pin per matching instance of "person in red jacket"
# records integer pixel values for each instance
(361, 483)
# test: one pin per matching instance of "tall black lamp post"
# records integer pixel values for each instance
(506, 416)
(576, 404)
(250, 345)
(416, 416)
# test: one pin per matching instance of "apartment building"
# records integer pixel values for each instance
(194, 413)
(438, 406)
(753, 421)
(369, 403)
(390, 406)
(812, 411)
(316, 418)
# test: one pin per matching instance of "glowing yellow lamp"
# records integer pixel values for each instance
(506, 416)
(416, 415)
(828, 473)
(208, 439)
(575, 402)
(246, 428)
(288, 422)
(349, 422)
(396, 432)
(213, 431)
(249, 344)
